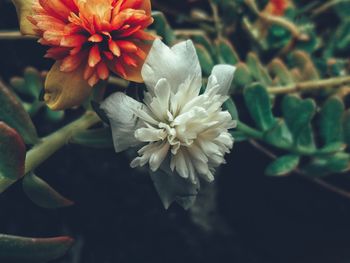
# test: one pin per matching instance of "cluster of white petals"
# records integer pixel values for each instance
(176, 124)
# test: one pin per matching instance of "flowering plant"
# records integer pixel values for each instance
(170, 108)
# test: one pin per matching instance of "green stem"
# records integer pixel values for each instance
(14, 35)
(52, 143)
(249, 131)
(310, 85)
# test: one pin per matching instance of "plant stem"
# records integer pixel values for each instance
(14, 35)
(52, 143)
(216, 19)
(310, 85)
(252, 133)
(318, 181)
(277, 20)
(326, 6)
(118, 82)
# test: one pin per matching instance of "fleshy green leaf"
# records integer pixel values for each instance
(332, 148)
(13, 113)
(298, 114)
(257, 70)
(322, 166)
(163, 28)
(230, 106)
(12, 155)
(14, 249)
(303, 61)
(43, 194)
(203, 40)
(279, 135)
(331, 114)
(226, 52)
(283, 165)
(205, 59)
(242, 76)
(281, 71)
(99, 138)
(259, 105)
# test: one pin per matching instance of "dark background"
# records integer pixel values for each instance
(245, 217)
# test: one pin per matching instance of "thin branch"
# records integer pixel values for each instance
(14, 35)
(277, 20)
(216, 18)
(318, 181)
(310, 85)
(323, 8)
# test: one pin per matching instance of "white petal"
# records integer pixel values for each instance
(150, 134)
(120, 111)
(223, 75)
(158, 157)
(176, 65)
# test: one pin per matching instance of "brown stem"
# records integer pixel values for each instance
(310, 85)
(318, 181)
(216, 18)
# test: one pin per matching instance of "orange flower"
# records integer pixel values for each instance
(277, 7)
(88, 39)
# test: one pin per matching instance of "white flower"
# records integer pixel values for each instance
(177, 126)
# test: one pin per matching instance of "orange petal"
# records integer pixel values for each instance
(94, 56)
(113, 47)
(65, 89)
(127, 46)
(24, 9)
(138, 4)
(102, 70)
(130, 72)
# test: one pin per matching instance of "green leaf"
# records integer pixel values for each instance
(34, 81)
(230, 106)
(298, 114)
(257, 70)
(322, 166)
(163, 28)
(226, 52)
(283, 165)
(12, 156)
(279, 135)
(14, 249)
(43, 194)
(205, 59)
(98, 138)
(13, 113)
(331, 129)
(281, 71)
(242, 76)
(259, 105)
(331, 148)
(303, 61)
(30, 85)
(203, 40)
